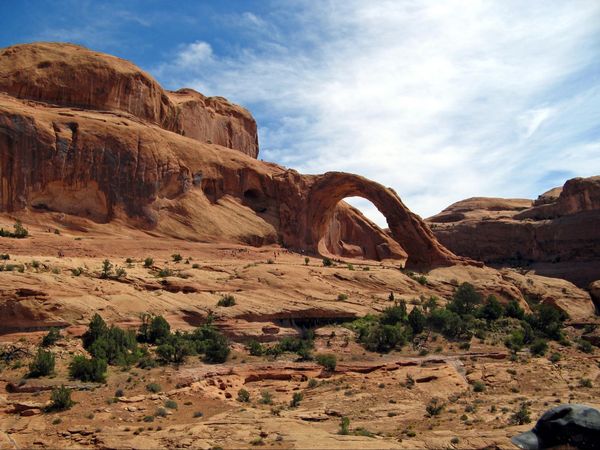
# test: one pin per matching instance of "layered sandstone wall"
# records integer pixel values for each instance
(557, 235)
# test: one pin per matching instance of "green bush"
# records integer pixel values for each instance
(42, 365)
(266, 398)
(394, 314)
(513, 309)
(342, 297)
(153, 329)
(148, 262)
(328, 361)
(539, 347)
(171, 404)
(384, 338)
(344, 426)
(521, 416)
(175, 348)
(61, 399)
(327, 262)
(84, 369)
(448, 322)
(434, 407)
(465, 300)
(585, 346)
(51, 338)
(19, 233)
(154, 388)
(417, 320)
(296, 399)
(255, 348)
(226, 301)
(176, 257)
(106, 269)
(478, 386)
(243, 396)
(491, 309)
(114, 345)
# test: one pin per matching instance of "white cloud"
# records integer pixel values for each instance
(440, 100)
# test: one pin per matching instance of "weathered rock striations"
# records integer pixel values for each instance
(70, 75)
(106, 151)
(557, 235)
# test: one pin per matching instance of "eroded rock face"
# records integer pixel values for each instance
(97, 162)
(70, 75)
(557, 235)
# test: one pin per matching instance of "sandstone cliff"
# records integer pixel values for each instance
(91, 135)
(557, 235)
(70, 75)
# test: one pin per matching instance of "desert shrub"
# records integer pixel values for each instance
(547, 321)
(539, 347)
(60, 399)
(176, 257)
(394, 314)
(491, 309)
(119, 393)
(465, 300)
(312, 383)
(344, 425)
(328, 361)
(255, 348)
(243, 396)
(195, 266)
(107, 268)
(165, 272)
(306, 260)
(327, 262)
(585, 383)
(421, 279)
(515, 341)
(266, 398)
(585, 346)
(198, 414)
(42, 364)
(148, 262)
(19, 233)
(478, 386)
(175, 348)
(6, 256)
(120, 272)
(153, 329)
(114, 345)
(417, 320)
(384, 338)
(147, 362)
(129, 261)
(226, 301)
(84, 369)
(512, 309)
(296, 399)
(434, 407)
(342, 297)
(77, 271)
(521, 416)
(554, 357)
(448, 322)
(51, 338)
(171, 404)
(154, 388)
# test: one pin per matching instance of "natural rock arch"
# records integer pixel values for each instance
(327, 190)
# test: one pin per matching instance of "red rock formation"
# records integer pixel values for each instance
(106, 158)
(215, 121)
(70, 75)
(557, 235)
(351, 234)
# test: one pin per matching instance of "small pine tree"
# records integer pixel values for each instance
(107, 267)
(42, 365)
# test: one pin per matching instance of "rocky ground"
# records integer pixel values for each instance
(55, 281)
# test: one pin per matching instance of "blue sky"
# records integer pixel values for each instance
(441, 100)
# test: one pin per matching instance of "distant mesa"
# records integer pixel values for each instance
(92, 135)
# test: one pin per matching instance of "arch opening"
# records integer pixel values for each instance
(356, 230)
(255, 200)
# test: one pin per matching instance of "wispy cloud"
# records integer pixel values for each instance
(440, 100)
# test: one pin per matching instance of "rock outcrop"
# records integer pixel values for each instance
(73, 76)
(92, 135)
(557, 235)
